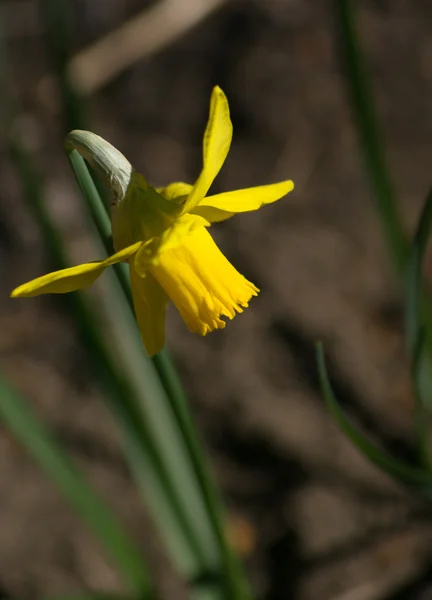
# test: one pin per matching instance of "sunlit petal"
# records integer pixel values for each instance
(248, 199)
(216, 144)
(202, 283)
(73, 278)
(150, 302)
(211, 214)
(150, 251)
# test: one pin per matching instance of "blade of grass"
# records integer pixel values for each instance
(421, 416)
(361, 96)
(231, 564)
(360, 91)
(396, 469)
(417, 302)
(418, 328)
(407, 260)
(17, 416)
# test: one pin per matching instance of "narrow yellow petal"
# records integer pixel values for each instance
(150, 302)
(73, 278)
(216, 144)
(211, 214)
(202, 283)
(248, 199)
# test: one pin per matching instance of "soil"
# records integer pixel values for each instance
(309, 515)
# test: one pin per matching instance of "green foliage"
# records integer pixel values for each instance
(408, 259)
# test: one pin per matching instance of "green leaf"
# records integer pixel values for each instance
(417, 304)
(410, 476)
(360, 92)
(17, 416)
(418, 332)
(420, 367)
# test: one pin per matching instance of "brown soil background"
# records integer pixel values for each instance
(313, 519)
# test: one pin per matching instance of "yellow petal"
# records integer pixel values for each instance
(211, 214)
(248, 199)
(202, 283)
(150, 302)
(151, 250)
(74, 278)
(176, 191)
(216, 144)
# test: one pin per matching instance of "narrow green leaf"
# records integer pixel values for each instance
(396, 469)
(17, 416)
(360, 91)
(417, 304)
(421, 417)
(232, 568)
(418, 332)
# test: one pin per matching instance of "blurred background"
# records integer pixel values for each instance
(310, 517)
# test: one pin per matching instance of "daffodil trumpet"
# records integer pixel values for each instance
(163, 235)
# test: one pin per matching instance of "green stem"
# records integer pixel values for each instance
(236, 584)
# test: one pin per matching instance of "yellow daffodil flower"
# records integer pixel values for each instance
(162, 234)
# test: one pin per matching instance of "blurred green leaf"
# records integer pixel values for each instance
(417, 304)
(396, 469)
(231, 564)
(17, 416)
(408, 259)
(418, 331)
(419, 363)
(361, 96)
